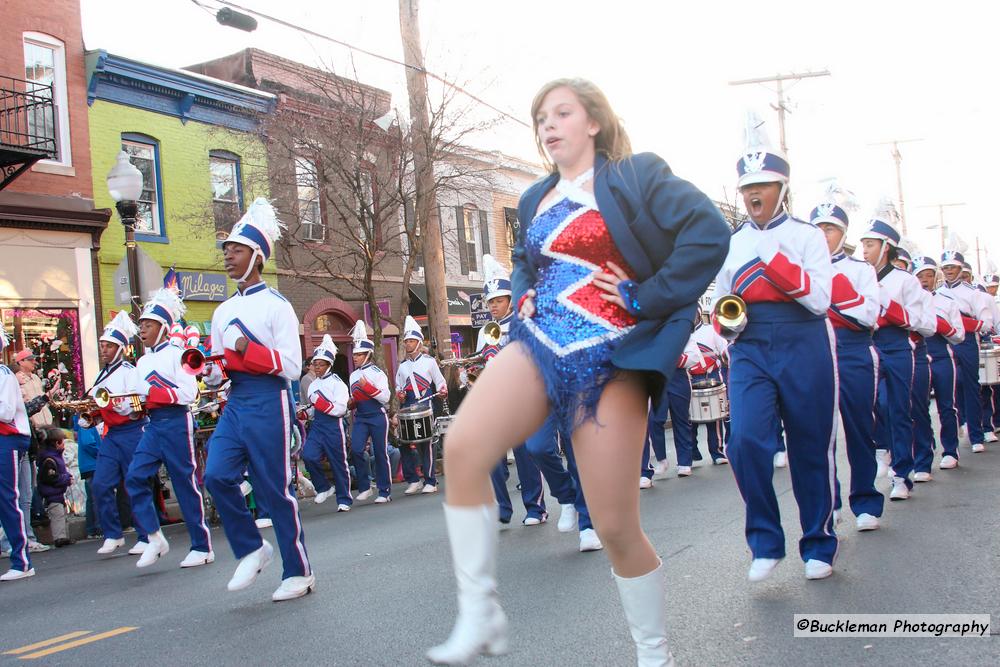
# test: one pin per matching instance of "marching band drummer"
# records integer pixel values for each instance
(416, 378)
(976, 318)
(780, 267)
(902, 308)
(327, 399)
(256, 332)
(854, 309)
(124, 428)
(15, 436)
(949, 331)
(713, 351)
(369, 396)
(168, 438)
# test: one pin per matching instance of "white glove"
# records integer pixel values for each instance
(767, 247)
(84, 422)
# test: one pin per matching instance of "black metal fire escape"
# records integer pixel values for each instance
(27, 127)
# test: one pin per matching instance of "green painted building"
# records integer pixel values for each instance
(197, 142)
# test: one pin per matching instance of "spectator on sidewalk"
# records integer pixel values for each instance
(87, 441)
(53, 480)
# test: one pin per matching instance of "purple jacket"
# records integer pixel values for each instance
(53, 476)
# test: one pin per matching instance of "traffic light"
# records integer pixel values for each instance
(234, 19)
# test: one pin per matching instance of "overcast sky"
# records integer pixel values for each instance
(900, 70)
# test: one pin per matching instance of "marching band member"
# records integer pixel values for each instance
(902, 303)
(327, 399)
(15, 436)
(977, 319)
(677, 402)
(168, 438)
(369, 396)
(497, 294)
(949, 331)
(597, 290)
(854, 309)
(780, 266)
(713, 351)
(990, 283)
(920, 396)
(124, 428)
(415, 377)
(986, 391)
(256, 331)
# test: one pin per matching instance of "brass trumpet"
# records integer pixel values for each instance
(193, 360)
(103, 398)
(731, 313)
(80, 406)
(491, 333)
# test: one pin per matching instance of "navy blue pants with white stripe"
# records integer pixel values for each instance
(944, 380)
(967, 361)
(168, 439)
(785, 358)
(326, 438)
(11, 517)
(254, 433)
(677, 403)
(564, 482)
(857, 368)
(530, 478)
(894, 428)
(923, 435)
(113, 460)
(375, 426)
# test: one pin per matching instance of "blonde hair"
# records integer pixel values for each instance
(611, 139)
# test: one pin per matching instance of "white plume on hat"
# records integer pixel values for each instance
(835, 193)
(956, 243)
(123, 324)
(168, 299)
(261, 214)
(326, 350)
(359, 334)
(754, 133)
(885, 210)
(496, 280)
(412, 330)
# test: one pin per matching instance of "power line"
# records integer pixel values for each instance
(378, 56)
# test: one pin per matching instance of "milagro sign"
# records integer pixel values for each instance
(200, 286)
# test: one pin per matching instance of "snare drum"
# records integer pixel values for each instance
(416, 424)
(709, 402)
(441, 425)
(989, 366)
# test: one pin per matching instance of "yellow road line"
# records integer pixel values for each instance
(78, 642)
(47, 642)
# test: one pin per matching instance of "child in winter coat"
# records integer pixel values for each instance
(53, 480)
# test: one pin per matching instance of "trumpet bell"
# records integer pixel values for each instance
(102, 397)
(193, 361)
(731, 313)
(492, 333)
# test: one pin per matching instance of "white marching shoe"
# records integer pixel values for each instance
(589, 540)
(294, 587)
(158, 546)
(111, 545)
(645, 483)
(414, 487)
(644, 600)
(948, 462)
(250, 566)
(882, 460)
(14, 575)
(138, 548)
(978, 448)
(323, 495)
(196, 558)
(761, 568)
(866, 522)
(781, 460)
(922, 477)
(683, 471)
(567, 518)
(343, 507)
(365, 495)
(989, 436)
(661, 468)
(264, 523)
(817, 569)
(899, 489)
(429, 488)
(481, 626)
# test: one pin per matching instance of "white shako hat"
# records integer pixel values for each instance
(165, 307)
(362, 343)
(120, 330)
(496, 279)
(258, 229)
(412, 330)
(761, 162)
(326, 350)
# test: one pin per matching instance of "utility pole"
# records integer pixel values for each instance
(423, 164)
(940, 208)
(781, 107)
(897, 157)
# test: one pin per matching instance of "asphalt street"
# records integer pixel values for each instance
(385, 588)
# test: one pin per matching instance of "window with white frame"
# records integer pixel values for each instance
(365, 201)
(473, 237)
(45, 72)
(145, 157)
(307, 193)
(227, 200)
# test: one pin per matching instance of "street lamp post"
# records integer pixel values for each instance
(125, 187)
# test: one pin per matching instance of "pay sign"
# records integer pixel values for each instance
(480, 313)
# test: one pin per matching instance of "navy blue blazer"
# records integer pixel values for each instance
(670, 233)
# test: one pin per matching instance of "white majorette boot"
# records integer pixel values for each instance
(645, 603)
(481, 626)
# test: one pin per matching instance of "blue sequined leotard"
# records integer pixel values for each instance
(574, 331)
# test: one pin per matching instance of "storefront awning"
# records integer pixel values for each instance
(459, 310)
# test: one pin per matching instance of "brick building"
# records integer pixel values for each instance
(50, 230)
(196, 141)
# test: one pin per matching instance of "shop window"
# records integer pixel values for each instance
(473, 238)
(144, 153)
(307, 189)
(45, 72)
(227, 190)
